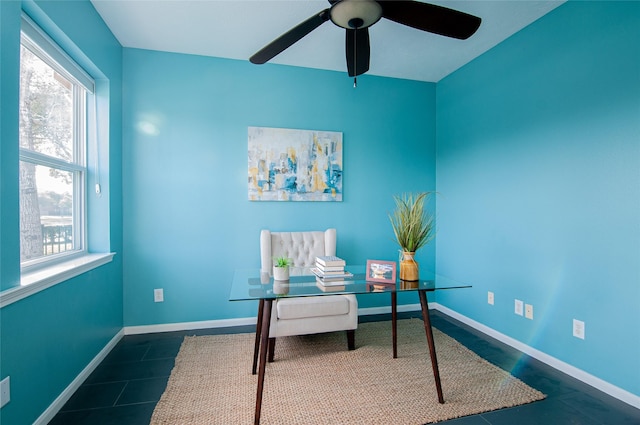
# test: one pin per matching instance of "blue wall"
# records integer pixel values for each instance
(538, 162)
(50, 337)
(187, 220)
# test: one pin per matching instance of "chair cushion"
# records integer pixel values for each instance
(297, 308)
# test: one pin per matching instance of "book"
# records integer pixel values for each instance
(330, 272)
(325, 288)
(333, 278)
(330, 260)
(329, 268)
(343, 275)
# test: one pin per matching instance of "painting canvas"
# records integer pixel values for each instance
(294, 165)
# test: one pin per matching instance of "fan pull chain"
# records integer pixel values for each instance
(355, 61)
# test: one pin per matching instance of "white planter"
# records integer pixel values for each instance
(280, 273)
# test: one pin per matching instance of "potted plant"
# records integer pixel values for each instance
(413, 228)
(281, 268)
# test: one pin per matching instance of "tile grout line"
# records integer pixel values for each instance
(115, 403)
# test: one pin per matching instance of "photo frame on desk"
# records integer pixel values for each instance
(381, 271)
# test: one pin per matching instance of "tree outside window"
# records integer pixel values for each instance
(52, 114)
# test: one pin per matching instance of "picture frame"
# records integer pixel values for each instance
(381, 271)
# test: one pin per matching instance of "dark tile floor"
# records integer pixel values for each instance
(126, 386)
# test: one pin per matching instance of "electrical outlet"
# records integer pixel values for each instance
(5, 391)
(158, 295)
(578, 328)
(490, 298)
(519, 307)
(528, 311)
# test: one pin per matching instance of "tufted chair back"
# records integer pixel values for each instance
(301, 247)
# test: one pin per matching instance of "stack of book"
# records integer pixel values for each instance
(329, 271)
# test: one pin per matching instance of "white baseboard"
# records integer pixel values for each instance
(555, 363)
(188, 326)
(59, 402)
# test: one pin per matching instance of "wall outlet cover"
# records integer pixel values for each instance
(5, 391)
(490, 298)
(528, 311)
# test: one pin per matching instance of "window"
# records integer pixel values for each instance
(54, 94)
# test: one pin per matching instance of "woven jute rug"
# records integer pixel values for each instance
(316, 380)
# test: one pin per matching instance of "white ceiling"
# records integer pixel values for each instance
(237, 29)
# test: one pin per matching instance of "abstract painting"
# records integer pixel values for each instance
(294, 165)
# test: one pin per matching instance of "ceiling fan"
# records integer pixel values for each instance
(356, 16)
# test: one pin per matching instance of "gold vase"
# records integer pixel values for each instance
(409, 269)
(406, 284)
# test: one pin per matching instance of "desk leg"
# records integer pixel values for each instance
(264, 348)
(394, 323)
(432, 347)
(256, 345)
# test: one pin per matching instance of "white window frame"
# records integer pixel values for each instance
(36, 279)
(40, 44)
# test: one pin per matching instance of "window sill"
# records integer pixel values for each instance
(36, 281)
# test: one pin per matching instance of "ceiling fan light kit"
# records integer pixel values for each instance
(353, 14)
(356, 16)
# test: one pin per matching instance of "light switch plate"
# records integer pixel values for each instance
(519, 307)
(158, 295)
(578, 328)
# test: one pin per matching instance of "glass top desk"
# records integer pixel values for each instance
(251, 284)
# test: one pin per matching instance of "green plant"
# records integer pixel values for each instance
(412, 225)
(282, 261)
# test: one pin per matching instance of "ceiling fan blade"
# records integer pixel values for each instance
(431, 18)
(357, 51)
(287, 39)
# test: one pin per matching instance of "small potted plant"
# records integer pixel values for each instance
(281, 268)
(413, 228)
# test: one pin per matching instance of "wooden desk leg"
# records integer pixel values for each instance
(256, 345)
(264, 343)
(394, 323)
(432, 347)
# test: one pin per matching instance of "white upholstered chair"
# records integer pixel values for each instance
(306, 315)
